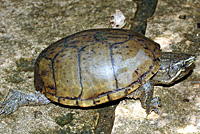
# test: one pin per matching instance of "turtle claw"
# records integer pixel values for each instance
(145, 94)
(155, 102)
(154, 105)
(8, 109)
(15, 99)
(10, 104)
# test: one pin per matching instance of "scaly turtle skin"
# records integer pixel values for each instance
(101, 65)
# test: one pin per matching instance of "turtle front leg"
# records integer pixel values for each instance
(145, 94)
(15, 99)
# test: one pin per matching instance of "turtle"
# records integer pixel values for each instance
(97, 66)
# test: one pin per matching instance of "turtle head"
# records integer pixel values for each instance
(173, 67)
(181, 67)
(185, 63)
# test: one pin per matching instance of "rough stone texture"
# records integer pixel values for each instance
(180, 102)
(27, 27)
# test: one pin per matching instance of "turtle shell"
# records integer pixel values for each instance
(95, 66)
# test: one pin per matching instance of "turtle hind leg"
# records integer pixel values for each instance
(15, 99)
(145, 94)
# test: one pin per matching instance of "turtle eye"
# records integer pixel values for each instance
(188, 62)
(184, 65)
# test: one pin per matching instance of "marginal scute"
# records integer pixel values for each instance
(85, 103)
(70, 102)
(101, 100)
(95, 66)
(118, 94)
